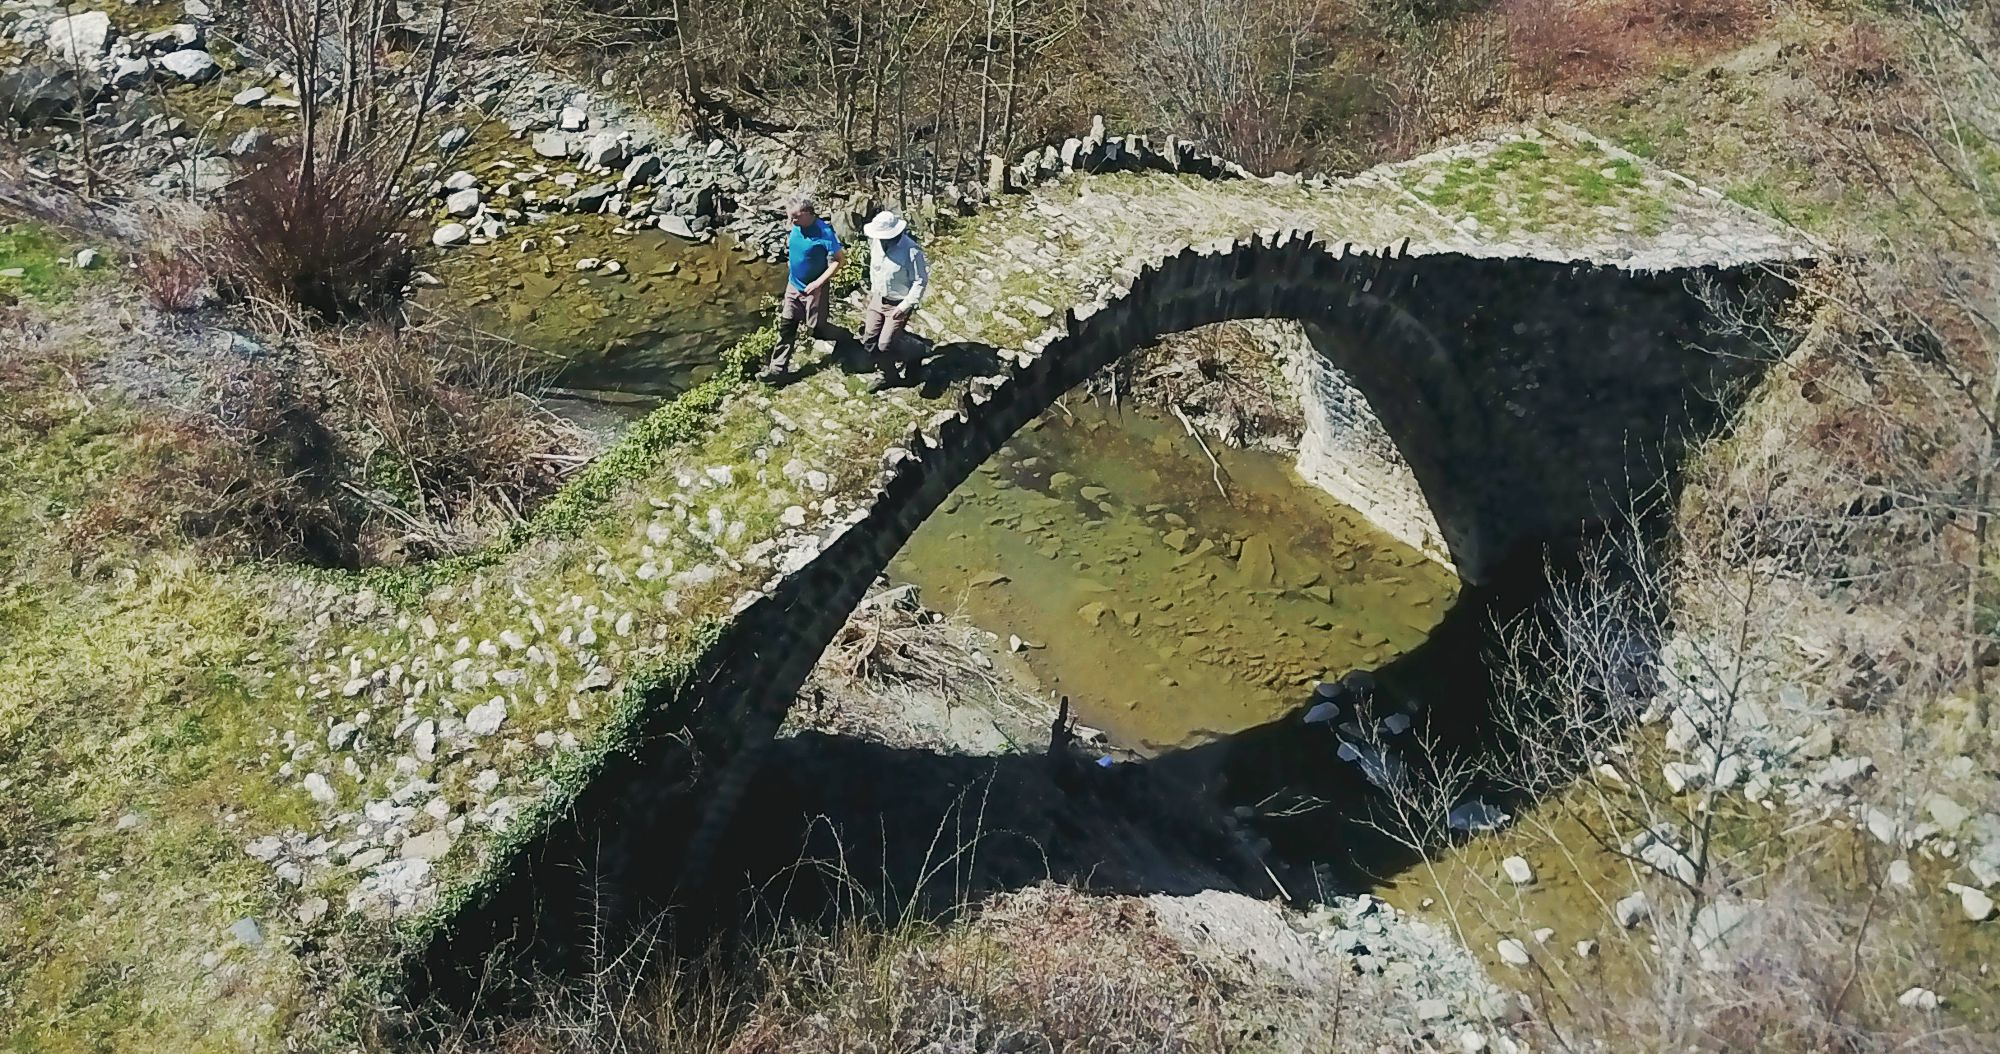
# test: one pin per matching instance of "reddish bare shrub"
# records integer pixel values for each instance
(1701, 19)
(323, 234)
(175, 280)
(1565, 43)
(1865, 56)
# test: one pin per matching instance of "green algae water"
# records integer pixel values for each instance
(645, 332)
(1169, 609)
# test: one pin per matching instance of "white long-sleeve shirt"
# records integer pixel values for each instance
(898, 273)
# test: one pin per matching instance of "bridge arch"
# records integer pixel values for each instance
(1531, 399)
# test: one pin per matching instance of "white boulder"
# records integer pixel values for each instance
(1632, 910)
(486, 718)
(194, 67)
(1977, 906)
(80, 38)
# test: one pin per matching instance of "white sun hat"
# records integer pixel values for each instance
(884, 226)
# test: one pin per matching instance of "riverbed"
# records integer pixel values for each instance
(649, 319)
(1172, 598)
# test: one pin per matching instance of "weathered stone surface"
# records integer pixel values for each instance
(604, 150)
(1972, 902)
(553, 145)
(639, 171)
(462, 203)
(427, 846)
(80, 37)
(194, 67)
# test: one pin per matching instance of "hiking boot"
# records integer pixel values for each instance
(776, 369)
(885, 380)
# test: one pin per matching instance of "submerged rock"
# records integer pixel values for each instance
(1257, 566)
(1474, 816)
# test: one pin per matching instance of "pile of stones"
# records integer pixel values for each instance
(1772, 745)
(1452, 1004)
(580, 152)
(77, 66)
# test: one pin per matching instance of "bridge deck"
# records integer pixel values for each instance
(372, 754)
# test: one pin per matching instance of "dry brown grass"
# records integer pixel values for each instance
(1566, 44)
(1045, 969)
(341, 448)
(1863, 57)
(175, 280)
(1572, 45)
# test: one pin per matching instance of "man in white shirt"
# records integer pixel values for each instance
(897, 277)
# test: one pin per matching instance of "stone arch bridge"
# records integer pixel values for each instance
(1537, 322)
(1529, 317)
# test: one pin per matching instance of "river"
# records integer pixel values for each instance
(1172, 599)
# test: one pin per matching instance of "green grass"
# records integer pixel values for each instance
(1770, 194)
(121, 694)
(35, 263)
(1526, 185)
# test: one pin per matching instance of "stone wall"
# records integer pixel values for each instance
(1345, 450)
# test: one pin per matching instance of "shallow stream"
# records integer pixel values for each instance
(647, 330)
(1171, 598)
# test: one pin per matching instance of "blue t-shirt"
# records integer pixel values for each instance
(809, 250)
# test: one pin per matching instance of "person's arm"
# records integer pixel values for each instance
(834, 258)
(833, 261)
(920, 279)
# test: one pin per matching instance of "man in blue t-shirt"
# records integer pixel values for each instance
(814, 254)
